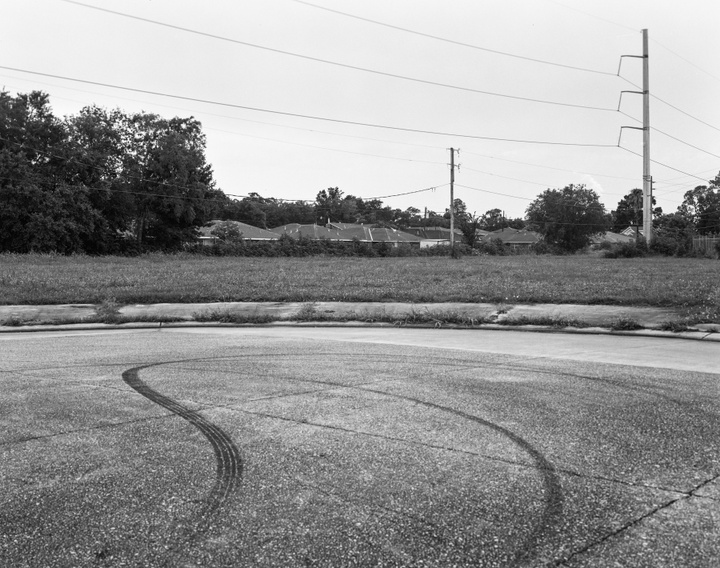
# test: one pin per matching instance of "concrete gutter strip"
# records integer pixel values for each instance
(600, 319)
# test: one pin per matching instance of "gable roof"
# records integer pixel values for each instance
(512, 236)
(247, 231)
(614, 237)
(295, 230)
(432, 233)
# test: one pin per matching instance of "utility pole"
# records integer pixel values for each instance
(647, 178)
(452, 196)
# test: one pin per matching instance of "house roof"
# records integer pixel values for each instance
(247, 231)
(630, 231)
(364, 233)
(432, 233)
(512, 236)
(295, 230)
(614, 237)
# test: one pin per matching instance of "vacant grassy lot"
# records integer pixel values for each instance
(51, 279)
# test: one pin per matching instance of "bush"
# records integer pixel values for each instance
(665, 246)
(626, 250)
(493, 247)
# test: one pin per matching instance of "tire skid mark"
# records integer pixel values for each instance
(524, 554)
(227, 456)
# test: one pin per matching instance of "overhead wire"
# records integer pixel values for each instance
(452, 41)
(655, 129)
(338, 64)
(685, 59)
(250, 120)
(546, 167)
(306, 116)
(661, 163)
(182, 187)
(654, 96)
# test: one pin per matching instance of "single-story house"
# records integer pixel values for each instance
(515, 238)
(347, 232)
(633, 231)
(611, 237)
(247, 232)
(433, 236)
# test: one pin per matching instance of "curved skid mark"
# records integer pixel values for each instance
(553, 498)
(227, 456)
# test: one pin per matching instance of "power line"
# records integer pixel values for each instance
(404, 193)
(672, 106)
(594, 16)
(493, 192)
(454, 42)
(227, 116)
(662, 164)
(547, 167)
(182, 187)
(655, 129)
(338, 64)
(329, 149)
(686, 60)
(505, 177)
(306, 116)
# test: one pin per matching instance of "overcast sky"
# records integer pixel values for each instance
(558, 86)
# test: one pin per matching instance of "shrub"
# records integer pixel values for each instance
(665, 246)
(494, 247)
(626, 250)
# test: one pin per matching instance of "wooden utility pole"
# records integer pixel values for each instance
(647, 178)
(452, 195)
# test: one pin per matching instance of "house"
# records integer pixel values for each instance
(613, 237)
(515, 238)
(374, 234)
(633, 231)
(348, 232)
(246, 232)
(433, 236)
(314, 232)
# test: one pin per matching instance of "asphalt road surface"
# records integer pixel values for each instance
(278, 446)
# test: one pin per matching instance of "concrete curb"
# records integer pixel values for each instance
(685, 335)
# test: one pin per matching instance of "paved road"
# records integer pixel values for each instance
(357, 447)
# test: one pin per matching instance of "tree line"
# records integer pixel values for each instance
(107, 182)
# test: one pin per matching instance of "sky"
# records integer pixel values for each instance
(370, 95)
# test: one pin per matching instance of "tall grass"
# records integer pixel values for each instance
(54, 279)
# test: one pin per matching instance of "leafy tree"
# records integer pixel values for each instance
(630, 211)
(459, 210)
(492, 220)
(568, 217)
(701, 207)
(227, 232)
(41, 208)
(469, 225)
(407, 218)
(673, 234)
(166, 178)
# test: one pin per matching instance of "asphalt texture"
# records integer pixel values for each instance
(282, 446)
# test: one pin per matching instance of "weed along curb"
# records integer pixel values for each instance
(568, 318)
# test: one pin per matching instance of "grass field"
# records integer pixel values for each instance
(52, 279)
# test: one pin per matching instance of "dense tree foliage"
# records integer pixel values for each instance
(108, 181)
(630, 212)
(99, 181)
(701, 207)
(568, 217)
